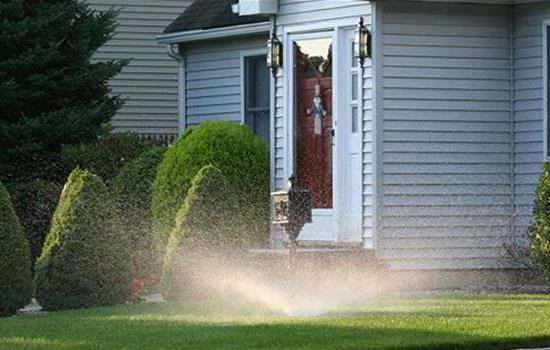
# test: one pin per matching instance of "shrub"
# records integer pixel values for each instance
(132, 190)
(240, 156)
(15, 267)
(107, 155)
(84, 262)
(540, 243)
(204, 222)
(34, 203)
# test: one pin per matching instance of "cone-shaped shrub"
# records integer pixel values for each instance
(84, 262)
(132, 190)
(241, 157)
(15, 266)
(540, 244)
(203, 223)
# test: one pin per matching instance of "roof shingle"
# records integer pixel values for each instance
(206, 14)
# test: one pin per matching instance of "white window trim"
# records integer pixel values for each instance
(244, 55)
(546, 81)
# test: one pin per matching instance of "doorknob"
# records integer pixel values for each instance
(332, 134)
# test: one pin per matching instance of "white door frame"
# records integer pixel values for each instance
(327, 219)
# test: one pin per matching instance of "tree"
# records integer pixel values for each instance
(84, 261)
(51, 91)
(15, 267)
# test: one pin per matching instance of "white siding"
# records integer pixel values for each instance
(149, 82)
(214, 78)
(446, 150)
(528, 109)
(326, 14)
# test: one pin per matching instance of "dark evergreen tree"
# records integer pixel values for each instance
(52, 92)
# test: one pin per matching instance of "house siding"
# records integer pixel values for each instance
(149, 82)
(293, 15)
(446, 130)
(214, 78)
(528, 109)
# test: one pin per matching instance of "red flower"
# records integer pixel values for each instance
(137, 284)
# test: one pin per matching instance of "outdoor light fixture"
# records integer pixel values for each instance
(274, 53)
(363, 42)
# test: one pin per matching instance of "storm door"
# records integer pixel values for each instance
(324, 126)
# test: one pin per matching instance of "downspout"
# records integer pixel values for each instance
(174, 51)
(511, 25)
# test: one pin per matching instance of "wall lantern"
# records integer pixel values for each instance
(274, 54)
(363, 42)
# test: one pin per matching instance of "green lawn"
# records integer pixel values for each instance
(444, 322)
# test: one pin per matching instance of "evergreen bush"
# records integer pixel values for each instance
(241, 157)
(15, 267)
(132, 189)
(540, 230)
(34, 203)
(84, 261)
(203, 223)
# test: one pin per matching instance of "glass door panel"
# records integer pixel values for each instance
(313, 88)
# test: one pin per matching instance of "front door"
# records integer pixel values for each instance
(326, 128)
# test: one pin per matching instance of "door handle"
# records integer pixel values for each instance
(333, 135)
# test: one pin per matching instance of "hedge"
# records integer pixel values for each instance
(132, 191)
(105, 156)
(203, 223)
(238, 154)
(34, 203)
(84, 262)
(540, 243)
(15, 267)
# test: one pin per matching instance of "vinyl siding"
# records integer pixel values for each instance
(214, 78)
(326, 14)
(528, 109)
(149, 82)
(446, 130)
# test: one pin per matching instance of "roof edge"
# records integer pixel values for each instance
(214, 33)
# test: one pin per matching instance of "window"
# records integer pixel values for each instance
(257, 96)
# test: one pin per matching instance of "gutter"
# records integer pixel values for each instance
(214, 33)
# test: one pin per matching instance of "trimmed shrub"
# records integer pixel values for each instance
(203, 223)
(107, 155)
(540, 243)
(84, 262)
(241, 157)
(132, 190)
(34, 203)
(15, 267)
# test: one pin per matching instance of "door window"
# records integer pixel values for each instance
(313, 118)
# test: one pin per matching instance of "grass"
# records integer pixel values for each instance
(442, 322)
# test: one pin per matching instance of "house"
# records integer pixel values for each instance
(428, 152)
(148, 83)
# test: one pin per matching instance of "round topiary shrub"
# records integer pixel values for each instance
(540, 242)
(203, 223)
(15, 266)
(132, 189)
(84, 262)
(241, 157)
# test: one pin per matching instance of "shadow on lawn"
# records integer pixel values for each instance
(97, 330)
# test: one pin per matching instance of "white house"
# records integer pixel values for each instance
(428, 152)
